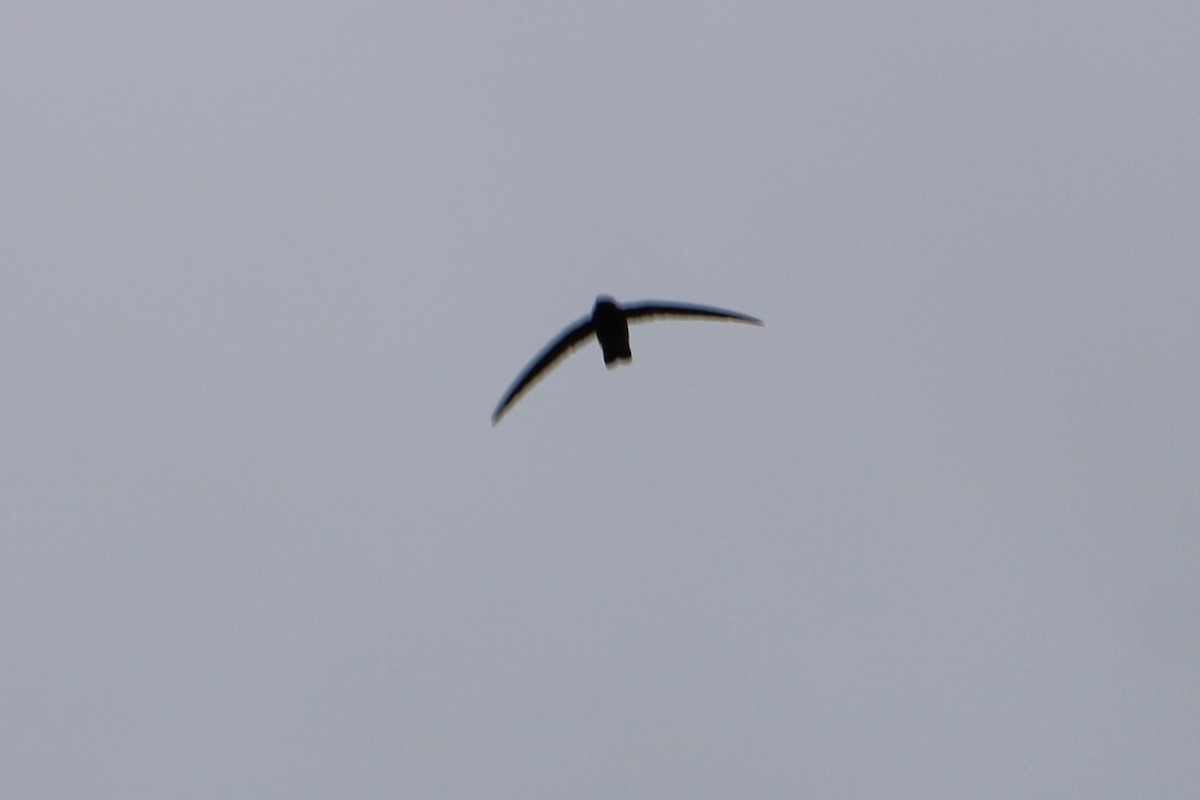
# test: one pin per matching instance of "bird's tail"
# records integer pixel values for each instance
(617, 353)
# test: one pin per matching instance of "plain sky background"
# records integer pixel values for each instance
(266, 268)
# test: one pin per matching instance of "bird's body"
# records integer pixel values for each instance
(609, 323)
(612, 331)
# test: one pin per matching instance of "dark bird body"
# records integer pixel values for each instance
(609, 323)
(612, 331)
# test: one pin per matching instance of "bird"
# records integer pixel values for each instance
(609, 322)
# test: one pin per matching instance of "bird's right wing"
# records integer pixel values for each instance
(567, 341)
(655, 309)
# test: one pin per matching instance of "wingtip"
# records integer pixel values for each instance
(746, 318)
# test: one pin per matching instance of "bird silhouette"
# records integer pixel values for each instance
(610, 324)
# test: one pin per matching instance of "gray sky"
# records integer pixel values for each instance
(932, 532)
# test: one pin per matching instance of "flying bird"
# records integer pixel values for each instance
(610, 324)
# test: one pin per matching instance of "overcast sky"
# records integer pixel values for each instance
(266, 269)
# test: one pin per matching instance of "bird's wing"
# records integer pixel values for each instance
(653, 309)
(567, 341)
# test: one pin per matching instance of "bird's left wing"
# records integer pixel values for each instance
(567, 341)
(654, 309)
